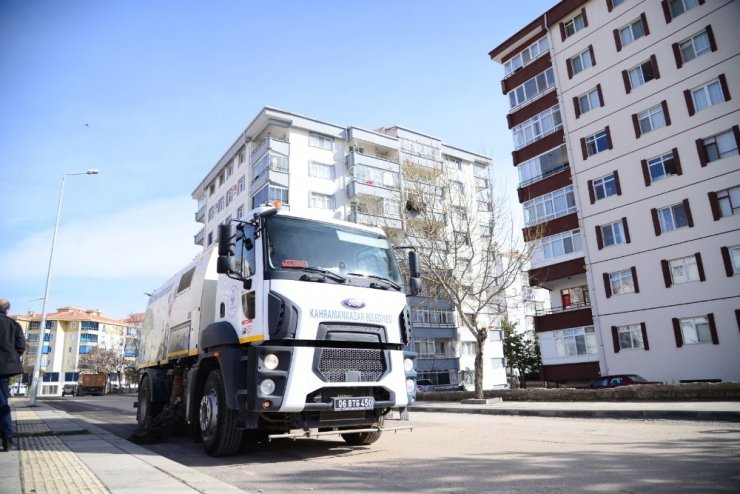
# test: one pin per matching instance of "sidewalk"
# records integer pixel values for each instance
(60, 453)
(722, 411)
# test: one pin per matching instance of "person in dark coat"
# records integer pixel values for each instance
(12, 346)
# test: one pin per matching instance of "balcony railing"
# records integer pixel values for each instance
(557, 310)
(200, 237)
(278, 145)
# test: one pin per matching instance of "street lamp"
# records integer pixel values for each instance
(42, 327)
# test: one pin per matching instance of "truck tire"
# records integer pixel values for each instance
(363, 438)
(147, 407)
(217, 422)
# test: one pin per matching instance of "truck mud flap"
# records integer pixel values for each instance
(314, 434)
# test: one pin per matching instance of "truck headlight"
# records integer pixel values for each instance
(267, 387)
(410, 386)
(271, 361)
(408, 364)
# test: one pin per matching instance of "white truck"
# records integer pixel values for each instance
(292, 327)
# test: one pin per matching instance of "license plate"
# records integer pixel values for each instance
(358, 403)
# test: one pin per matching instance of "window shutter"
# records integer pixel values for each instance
(689, 102)
(677, 332)
(654, 63)
(608, 138)
(725, 88)
(569, 67)
(737, 317)
(713, 328)
(562, 32)
(656, 221)
(626, 230)
(677, 162)
(687, 208)
(617, 40)
(634, 279)
(607, 285)
(702, 152)
(615, 339)
(636, 125)
(591, 52)
(736, 132)
(584, 151)
(576, 106)
(601, 94)
(645, 172)
(700, 267)
(645, 26)
(729, 270)
(645, 343)
(666, 273)
(712, 41)
(599, 238)
(677, 55)
(616, 183)
(626, 80)
(667, 115)
(585, 19)
(591, 195)
(714, 205)
(609, 5)
(666, 11)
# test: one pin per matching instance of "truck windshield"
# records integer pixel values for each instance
(297, 244)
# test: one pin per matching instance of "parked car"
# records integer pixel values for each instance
(69, 389)
(18, 389)
(615, 381)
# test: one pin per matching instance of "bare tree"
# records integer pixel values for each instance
(469, 247)
(99, 360)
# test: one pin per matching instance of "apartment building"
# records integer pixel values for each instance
(70, 332)
(624, 115)
(352, 174)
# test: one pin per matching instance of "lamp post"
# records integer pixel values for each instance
(42, 327)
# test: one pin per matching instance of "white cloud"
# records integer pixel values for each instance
(149, 239)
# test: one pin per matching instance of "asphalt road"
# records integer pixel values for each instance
(456, 453)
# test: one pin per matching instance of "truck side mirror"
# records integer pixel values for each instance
(223, 265)
(414, 273)
(224, 240)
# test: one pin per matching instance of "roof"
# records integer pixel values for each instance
(72, 314)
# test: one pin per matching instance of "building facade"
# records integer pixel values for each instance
(625, 118)
(70, 332)
(351, 174)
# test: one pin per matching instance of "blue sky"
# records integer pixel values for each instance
(152, 93)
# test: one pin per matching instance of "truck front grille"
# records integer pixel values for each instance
(351, 364)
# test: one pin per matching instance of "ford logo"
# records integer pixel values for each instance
(353, 303)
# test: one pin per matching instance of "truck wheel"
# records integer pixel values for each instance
(147, 408)
(217, 422)
(363, 438)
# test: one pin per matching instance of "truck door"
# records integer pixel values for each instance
(246, 259)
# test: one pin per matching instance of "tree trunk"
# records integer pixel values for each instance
(481, 337)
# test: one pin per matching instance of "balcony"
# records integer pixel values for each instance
(200, 237)
(553, 272)
(200, 215)
(270, 143)
(366, 138)
(357, 157)
(371, 188)
(369, 219)
(576, 315)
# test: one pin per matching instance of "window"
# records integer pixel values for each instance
(683, 270)
(695, 330)
(221, 179)
(537, 127)
(661, 167)
(580, 62)
(242, 156)
(239, 212)
(527, 55)
(650, 120)
(320, 170)
(605, 186)
(270, 193)
(211, 190)
(613, 234)
(562, 244)
(575, 297)
(589, 101)
(731, 259)
(550, 206)
(457, 189)
(631, 32)
(610, 4)
(543, 166)
(321, 201)
(241, 185)
(696, 46)
(728, 201)
(596, 143)
(320, 141)
(453, 163)
(718, 146)
(672, 217)
(678, 7)
(621, 282)
(468, 348)
(533, 87)
(639, 75)
(630, 337)
(229, 170)
(574, 25)
(575, 341)
(703, 97)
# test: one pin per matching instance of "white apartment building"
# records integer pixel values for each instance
(351, 174)
(625, 119)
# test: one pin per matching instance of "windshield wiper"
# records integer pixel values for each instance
(325, 272)
(384, 286)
